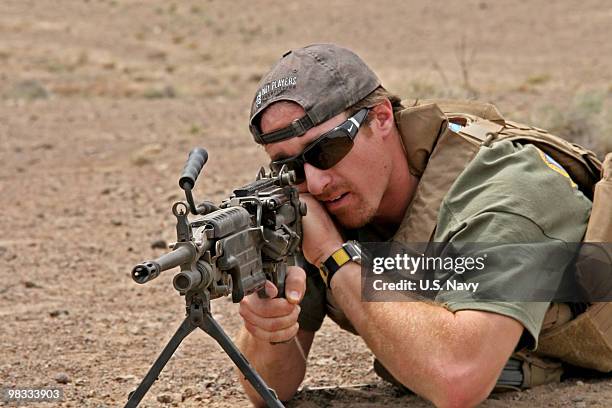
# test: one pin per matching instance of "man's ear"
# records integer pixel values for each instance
(382, 121)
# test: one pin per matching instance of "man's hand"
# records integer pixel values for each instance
(275, 319)
(321, 237)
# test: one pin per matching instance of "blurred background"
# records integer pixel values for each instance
(100, 102)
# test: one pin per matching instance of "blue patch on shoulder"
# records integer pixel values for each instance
(554, 162)
(454, 127)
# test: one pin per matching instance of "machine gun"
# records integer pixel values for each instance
(228, 249)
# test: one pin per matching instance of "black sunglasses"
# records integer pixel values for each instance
(327, 150)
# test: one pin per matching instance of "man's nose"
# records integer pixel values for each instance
(316, 179)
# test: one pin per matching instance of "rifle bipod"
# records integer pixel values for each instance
(198, 315)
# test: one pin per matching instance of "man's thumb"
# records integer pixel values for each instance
(295, 285)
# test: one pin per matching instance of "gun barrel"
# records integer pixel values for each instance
(187, 280)
(149, 270)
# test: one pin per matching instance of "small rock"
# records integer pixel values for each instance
(187, 393)
(106, 191)
(44, 146)
(578, 398)
(134, 330)
(62, 378)
(79, 382)
(159, 244)
(124, 378)
(116, 222)
(27, 316)
(580, 383)
(164, 398)
(58, 313)
(31, 285)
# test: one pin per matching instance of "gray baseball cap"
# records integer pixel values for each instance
(324, 79)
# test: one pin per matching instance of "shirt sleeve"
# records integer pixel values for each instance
(313, 303)
(527, 216)
(510, 272)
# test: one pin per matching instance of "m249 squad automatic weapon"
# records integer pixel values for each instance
(228, 249)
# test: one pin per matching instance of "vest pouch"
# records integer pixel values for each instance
(527, 370)
(538, 370)
(594, 263)
(599, 228)
(585, 341)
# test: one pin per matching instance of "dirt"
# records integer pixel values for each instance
(100, 101)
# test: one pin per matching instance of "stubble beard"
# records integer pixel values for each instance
(358, 215)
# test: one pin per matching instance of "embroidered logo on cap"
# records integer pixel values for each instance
(273, 88)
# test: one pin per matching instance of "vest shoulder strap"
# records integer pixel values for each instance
(437, 157)
(582, 164)
(483, 123)
(462, 108)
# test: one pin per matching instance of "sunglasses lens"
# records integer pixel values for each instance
(329, 151)
(324, 153)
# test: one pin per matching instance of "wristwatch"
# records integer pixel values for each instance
(349, 251)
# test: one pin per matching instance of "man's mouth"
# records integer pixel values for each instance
(335, 201)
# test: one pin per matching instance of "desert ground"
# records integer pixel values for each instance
(100, 102)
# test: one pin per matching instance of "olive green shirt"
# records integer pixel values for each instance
(512, 194)
(507, 193)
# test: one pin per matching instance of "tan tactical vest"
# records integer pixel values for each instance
(437, 156)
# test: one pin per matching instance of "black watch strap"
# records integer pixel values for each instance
(349, 251)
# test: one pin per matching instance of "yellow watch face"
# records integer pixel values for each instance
(341, 257)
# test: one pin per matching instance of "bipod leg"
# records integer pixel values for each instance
(210, 326)
(184, 329)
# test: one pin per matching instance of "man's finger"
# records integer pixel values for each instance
(276, 336)
(276, 307)
(295, 284)
(271, 290)
(270, 324)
